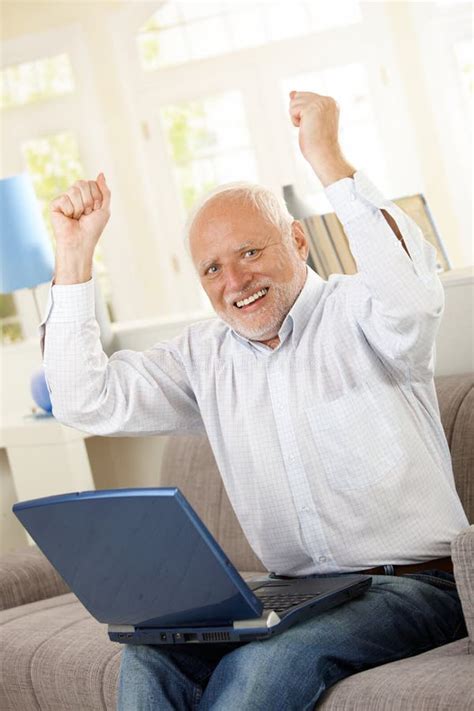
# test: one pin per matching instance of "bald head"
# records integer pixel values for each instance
(251, 269)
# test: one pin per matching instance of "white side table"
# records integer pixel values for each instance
(43, 458)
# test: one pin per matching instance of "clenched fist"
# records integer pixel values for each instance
(317, 118)
(79, 217)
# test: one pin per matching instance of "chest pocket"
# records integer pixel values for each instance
(357, 439)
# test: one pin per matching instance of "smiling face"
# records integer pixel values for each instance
(251, 273)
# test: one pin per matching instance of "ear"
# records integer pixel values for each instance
(300, 239)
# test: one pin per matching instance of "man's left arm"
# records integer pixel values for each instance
(400, 298)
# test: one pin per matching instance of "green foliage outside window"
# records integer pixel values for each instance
(54, 165)
(189, 139)
(35, 81)
(10, 327)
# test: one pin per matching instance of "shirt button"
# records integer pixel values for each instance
(304, 508)
(322, 559)
(353, 197)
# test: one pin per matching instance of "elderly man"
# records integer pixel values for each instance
(318, 400)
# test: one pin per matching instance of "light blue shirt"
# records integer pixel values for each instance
(330, 446)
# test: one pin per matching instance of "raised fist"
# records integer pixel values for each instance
(80, 215)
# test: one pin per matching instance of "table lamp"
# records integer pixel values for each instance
(27, 257)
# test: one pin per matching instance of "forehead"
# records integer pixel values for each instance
(225, 226)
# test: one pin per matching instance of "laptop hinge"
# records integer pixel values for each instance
(269, 619)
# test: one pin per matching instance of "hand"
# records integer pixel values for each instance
(317, 117)
(79, 215)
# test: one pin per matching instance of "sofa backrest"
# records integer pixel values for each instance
(456, 405)
(189, 464)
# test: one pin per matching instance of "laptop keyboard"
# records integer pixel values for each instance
(282, 603)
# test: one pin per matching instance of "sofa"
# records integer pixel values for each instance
(55, 657)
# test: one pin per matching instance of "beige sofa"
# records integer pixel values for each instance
(55, 656)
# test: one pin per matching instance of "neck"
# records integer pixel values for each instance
(272, 342)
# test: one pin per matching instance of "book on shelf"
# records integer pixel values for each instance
(329, 250)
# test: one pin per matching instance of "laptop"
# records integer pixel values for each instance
(142, 562)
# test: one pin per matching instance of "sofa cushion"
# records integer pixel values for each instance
(56, 657)
(27, 576)
(456, 403)
(437, 680)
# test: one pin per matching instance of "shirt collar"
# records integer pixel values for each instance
(297, 317)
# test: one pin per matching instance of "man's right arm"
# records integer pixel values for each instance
(129, 393)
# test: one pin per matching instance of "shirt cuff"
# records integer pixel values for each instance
(353, 197)
(70, 303)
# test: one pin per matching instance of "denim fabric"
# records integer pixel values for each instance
(396, 618)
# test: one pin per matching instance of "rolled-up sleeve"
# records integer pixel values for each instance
(131, 393)
(397, 299)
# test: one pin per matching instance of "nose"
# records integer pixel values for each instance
(237, 278)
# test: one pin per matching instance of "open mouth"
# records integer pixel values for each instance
(254, 298)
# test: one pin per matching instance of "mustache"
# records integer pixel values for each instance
(240, 295)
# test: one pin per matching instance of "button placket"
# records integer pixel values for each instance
(296, 474)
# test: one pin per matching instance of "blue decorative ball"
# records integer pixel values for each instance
(39, 390)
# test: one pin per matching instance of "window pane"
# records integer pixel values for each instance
(10, 332)
(217, 28)
(197, 10)
(247, 28)
(36, 81)
(54, 165)
(208, 37)
(209, 144)
(325, 15)
(10, 327)
(157, 49)
(286, 19)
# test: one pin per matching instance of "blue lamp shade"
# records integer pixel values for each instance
(27, 257)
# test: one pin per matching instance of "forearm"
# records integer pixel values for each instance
(330, 166)
(72, 267)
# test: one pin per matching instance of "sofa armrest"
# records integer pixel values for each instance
(26, 576)
(462, 551)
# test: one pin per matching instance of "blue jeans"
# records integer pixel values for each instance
(396, 618)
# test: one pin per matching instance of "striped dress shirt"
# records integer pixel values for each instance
(330, 446)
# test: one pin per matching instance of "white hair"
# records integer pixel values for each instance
(270, 205)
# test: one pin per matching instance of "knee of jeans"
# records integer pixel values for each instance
(139, 654)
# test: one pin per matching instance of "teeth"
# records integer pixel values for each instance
(252, 298)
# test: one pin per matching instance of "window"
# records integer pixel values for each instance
(10, 325)
(54, 164)
(208, 142)
(26, 83)
(46, 133)
(183, 31)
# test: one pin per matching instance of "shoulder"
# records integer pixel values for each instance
(201, 340)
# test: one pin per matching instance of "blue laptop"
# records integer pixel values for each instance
(142, 562)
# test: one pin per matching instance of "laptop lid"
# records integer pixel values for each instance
(139, 557)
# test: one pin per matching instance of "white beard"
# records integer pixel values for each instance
(272, 314)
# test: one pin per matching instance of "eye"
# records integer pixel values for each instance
(209, 271)
(252, 252)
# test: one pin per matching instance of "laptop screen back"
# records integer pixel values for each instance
(139, 557)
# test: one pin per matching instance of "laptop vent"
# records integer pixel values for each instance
(216, 636)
